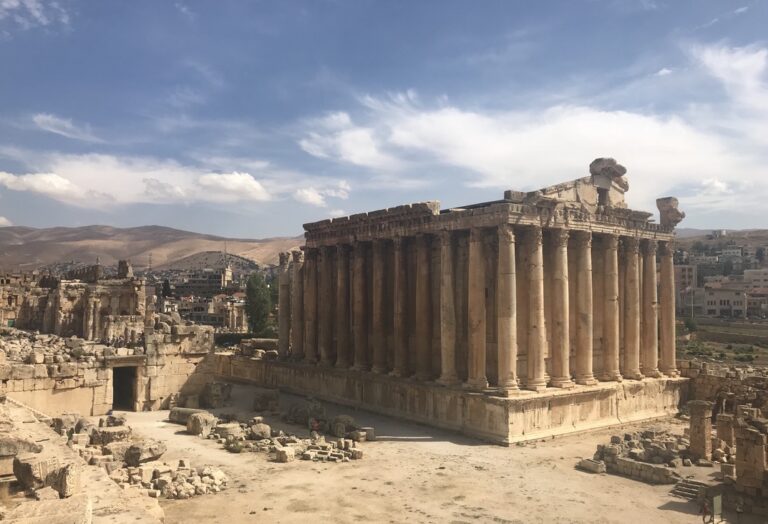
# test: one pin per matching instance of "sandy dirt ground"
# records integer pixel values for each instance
(414, 473)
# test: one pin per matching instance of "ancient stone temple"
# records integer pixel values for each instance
(540, 313)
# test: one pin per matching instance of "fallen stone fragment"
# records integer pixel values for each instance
(201, 424)
(144, 451)
(591, 466)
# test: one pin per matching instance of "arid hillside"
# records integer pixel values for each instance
(28, 248)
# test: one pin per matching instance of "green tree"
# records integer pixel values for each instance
(167, 288)
(691, 325)
(257, 303)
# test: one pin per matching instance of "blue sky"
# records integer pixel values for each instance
(248, 119)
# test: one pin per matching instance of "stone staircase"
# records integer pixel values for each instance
(689, 489)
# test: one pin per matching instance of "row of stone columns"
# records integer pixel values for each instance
(315, 318)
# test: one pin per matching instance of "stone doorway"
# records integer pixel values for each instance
(124, 388)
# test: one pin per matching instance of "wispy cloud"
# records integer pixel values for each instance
(64, 127)
(184, 9)
(526, 149)
(4, 222)
(27, 14)
(664, 71)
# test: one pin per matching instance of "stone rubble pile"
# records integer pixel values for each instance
(132, 462)
(650, 455)
(171, 480)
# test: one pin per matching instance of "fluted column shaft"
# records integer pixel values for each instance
(561, 340)
(650, 353)
(632, 311)
(667, 340)
(611, 318)
(342, 306)
(537, 333)
(448, 374)
(297, 306)
(506, 310)
(377, 312)
(585, 312)
(401, 305)
(310, 306)
(423, 309)
(283, 307)
(359, 309)
(476, 378)
(325, 313)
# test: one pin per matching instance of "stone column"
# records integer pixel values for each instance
(423, 309)
(632, 311)
(611, 318)
(448, 376)
(297, 306)
(561, 340)
(701, 429)
(476, 378)
(667, 291)
(537, 333)
(359, 309)
(506, 310)
(400, 299)
(650, 357)
(725, 428)
(342, 306)
(310, 306)
(585, 311)
(325, 309)
(377, 311)
(283, 307)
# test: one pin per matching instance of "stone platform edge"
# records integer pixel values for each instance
(500, 420)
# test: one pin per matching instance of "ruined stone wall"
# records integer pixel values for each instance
(726, 386)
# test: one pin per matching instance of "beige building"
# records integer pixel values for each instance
(548, 291)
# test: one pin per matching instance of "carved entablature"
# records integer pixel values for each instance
(594, 204)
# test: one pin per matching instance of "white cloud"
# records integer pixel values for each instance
(64, 127)
(741, 10)
(309, 195)
(231, 187)
(96, 180)
(664, 71)
(335, 213)
(316, 197)
(4, 222)
(527, 149)
(27, 14)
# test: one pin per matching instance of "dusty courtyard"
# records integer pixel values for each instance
(416, 474)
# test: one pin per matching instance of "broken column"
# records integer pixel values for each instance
(725, 431)
(701, 429)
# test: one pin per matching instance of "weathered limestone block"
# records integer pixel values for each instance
(117, 450)
(201, 423)
(5, 371)
(41, 371)
(66, 481)
(230, 428)
(701, 429)
(103, 436)
(592, 466)
(12, 445)
(144, 451)
(22, 371)
(65, 422)
(725, 429)
(260, 431)
(285, 454)
(74, 510)
(181, 415)
(37, 471)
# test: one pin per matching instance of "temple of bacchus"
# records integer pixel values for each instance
(539, 313)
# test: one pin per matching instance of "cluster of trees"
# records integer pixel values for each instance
(261, 305)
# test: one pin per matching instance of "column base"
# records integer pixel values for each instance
(536, 385)
(379, 370)
(477, 384)
(611, 377)
(654, 373)
(671, 373)
(450, 380)
(507, 391)
(398, 373)
(587, 381)
(341, 364)
(359, 367)
(562, 382)
(635, 376)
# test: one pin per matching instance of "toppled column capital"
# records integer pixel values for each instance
(609, 170)
(669, 214)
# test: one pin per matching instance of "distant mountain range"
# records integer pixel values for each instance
(30, 248)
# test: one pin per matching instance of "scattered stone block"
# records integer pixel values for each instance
(285, 454)
(107, 435)
(144, 451)
(592, 466)
(201, 423)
